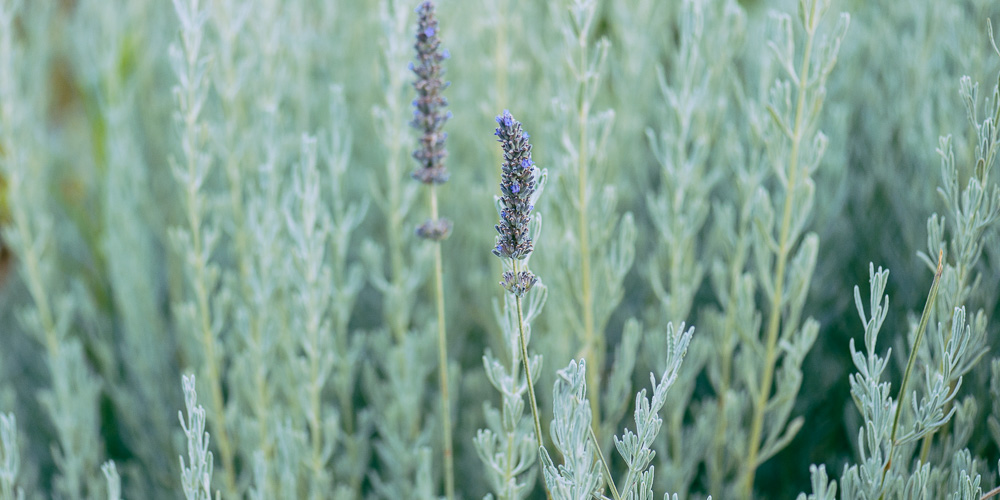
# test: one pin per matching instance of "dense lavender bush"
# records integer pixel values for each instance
(245, 249)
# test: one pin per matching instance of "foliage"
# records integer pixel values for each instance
(242, 191)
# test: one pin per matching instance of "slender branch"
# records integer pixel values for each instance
(527, 374)
(774, 321)
(992, 493)
(527, 368)
(447, 451)
(604, 464)
(921, 328)
(591, 343)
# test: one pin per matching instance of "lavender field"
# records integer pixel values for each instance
(500, 249)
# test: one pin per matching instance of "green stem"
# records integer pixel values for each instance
(592, 345)
(774, 321)
(397, 318)
(921, 328)
(527, 372)
(604, 463)
(447, 453)
(194, 216)
(716, 471)
(35, 285)
(718, 443)
(963, 268)
(262, 398)
(209, 342)
(992, 493)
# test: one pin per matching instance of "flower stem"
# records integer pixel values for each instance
(921, 328)
(604, 463)
(527, 373)
(447, 451)
(527, 368)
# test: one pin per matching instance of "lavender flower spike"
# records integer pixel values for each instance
(517, 187)
(429, 116)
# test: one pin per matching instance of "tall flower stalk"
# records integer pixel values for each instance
(397, 268)
(429, 118)
(517, 187)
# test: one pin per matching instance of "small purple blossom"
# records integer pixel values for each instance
(428, 113)
(434, 230)
(518, 284)
(517, 185)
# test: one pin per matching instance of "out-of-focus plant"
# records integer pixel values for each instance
(587, 278)
(784, 255)
(429, 117)
(53, 319)
(895, 434)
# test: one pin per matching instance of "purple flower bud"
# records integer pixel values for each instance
(429, 115)
(517, 182)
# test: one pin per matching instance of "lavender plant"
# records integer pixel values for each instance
(238, 245)
(590, 276)
(506, 448)
(201, 314)
(10, 459)
(196, 473)
(784, 256)
(636, 447)
(579, 476)
(973, 211)
(430, 119)
(396, 381)
(679, 209)
(519, 191)
(126, 252)
(70, 402)
(888, 441)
